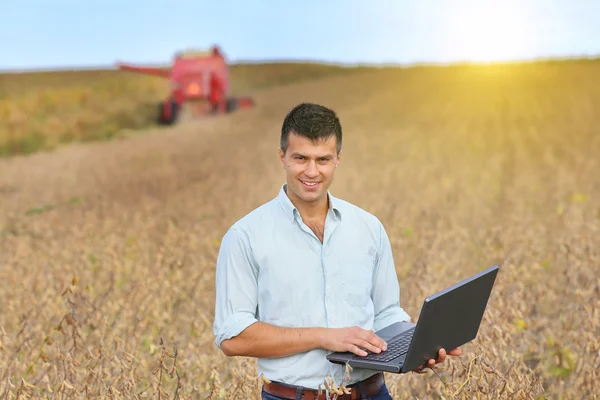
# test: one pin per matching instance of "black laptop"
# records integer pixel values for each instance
(448, 320)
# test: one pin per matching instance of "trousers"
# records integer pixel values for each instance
(383, 394)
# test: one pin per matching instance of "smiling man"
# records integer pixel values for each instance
(307, 273)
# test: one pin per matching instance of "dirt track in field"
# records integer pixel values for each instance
(465, 168)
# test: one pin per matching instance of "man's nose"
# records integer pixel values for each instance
(311, 169)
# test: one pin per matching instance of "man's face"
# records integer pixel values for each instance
(309, 167)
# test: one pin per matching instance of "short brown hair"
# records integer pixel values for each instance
(313, 121)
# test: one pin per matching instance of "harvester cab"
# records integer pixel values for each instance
(199, 77)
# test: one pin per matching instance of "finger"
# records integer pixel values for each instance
(441, 356)
(366, 345)
(375, 340)
(356, 350)
(379, 342)
(455, 352)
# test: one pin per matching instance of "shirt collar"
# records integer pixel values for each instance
(291, 211)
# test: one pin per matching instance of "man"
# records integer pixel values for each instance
(307, 273)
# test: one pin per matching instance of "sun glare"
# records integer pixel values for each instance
(482, 32)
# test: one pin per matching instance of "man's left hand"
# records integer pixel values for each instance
(441, 358)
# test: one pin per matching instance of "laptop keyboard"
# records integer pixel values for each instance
(396, 347)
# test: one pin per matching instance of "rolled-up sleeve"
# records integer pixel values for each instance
(236, 287)
(386, 290)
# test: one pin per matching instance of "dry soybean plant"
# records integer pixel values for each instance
(107, 251)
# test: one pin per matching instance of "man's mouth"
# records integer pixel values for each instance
(309, 184)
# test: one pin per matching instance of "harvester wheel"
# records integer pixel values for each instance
(231, 105)
(168, 115)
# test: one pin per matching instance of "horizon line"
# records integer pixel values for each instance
(381, 64)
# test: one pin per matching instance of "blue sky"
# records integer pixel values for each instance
(43, 34)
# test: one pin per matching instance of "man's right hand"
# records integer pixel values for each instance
(353, 339)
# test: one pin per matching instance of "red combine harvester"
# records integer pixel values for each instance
(195, 77)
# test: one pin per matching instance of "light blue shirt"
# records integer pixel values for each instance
(272, 268)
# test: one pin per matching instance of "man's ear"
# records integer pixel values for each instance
(282, 157)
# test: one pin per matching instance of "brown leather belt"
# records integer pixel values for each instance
(371, 385)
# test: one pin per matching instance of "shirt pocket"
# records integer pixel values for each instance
(356, 277)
